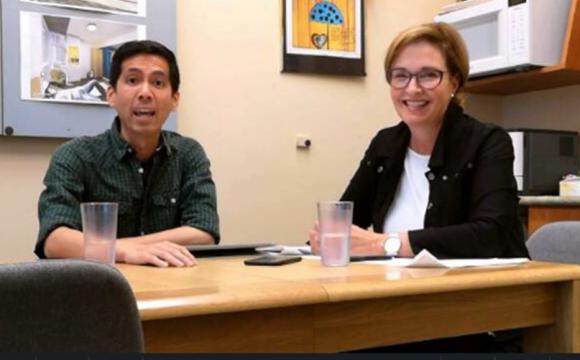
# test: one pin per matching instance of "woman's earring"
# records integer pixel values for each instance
(452, 95)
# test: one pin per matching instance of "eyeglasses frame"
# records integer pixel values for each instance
(414, 75)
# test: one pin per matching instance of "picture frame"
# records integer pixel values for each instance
(120, 7)
(323, 37)
(68, 58)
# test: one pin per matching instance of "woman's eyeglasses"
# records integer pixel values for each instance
(427, 78)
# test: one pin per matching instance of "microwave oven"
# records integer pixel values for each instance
(510, 35)
(543, 158)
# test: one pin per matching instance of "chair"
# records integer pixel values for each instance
(67, 306)
(556, 242)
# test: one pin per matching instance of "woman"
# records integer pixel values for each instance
(439, 180)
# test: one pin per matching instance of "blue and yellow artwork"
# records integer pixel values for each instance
(326, 13)
(324, 24)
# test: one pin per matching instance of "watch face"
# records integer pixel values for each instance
(392, 245)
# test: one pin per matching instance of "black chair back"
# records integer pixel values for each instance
(556, 242)
(67, 306)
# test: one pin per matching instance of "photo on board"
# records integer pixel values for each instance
(68, 59)
(123, 7)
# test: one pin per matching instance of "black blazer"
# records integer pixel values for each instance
(473, 205)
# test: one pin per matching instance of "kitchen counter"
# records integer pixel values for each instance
(546, 209)
(550, 200)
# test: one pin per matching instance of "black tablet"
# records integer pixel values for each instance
(225, 250)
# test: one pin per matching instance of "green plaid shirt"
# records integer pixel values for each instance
(178, 191)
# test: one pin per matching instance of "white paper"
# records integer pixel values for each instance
(286, 249)
(426, 260)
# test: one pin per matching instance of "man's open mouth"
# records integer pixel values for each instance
(144, 113)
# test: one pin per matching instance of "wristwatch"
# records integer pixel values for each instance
(392, 244)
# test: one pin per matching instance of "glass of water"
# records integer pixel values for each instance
(335, 220)
(99, 231)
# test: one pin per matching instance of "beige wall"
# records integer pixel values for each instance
(23, 163)
(246, 113)
(549, 109)
(485, 108)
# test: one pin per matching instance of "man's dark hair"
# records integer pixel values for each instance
(144, 47)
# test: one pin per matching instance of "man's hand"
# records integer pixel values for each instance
(161, 254)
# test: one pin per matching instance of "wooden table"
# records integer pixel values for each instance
(223, 306)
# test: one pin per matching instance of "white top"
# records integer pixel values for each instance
(407, 211)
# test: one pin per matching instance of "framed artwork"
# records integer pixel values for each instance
(324, 37)
(67, 59)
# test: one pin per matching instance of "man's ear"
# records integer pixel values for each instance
(176, 95)
(111, 96)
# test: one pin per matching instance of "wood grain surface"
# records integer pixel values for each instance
(222, 305)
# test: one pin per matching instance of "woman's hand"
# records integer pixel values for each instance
(314, 239)
(365, 242)
(362, 242)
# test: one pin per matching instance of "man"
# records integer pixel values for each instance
(160, 179)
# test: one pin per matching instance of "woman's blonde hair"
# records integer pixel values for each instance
(446, 39)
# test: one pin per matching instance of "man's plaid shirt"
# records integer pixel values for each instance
(178, 191)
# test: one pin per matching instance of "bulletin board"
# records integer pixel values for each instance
(56, 59)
